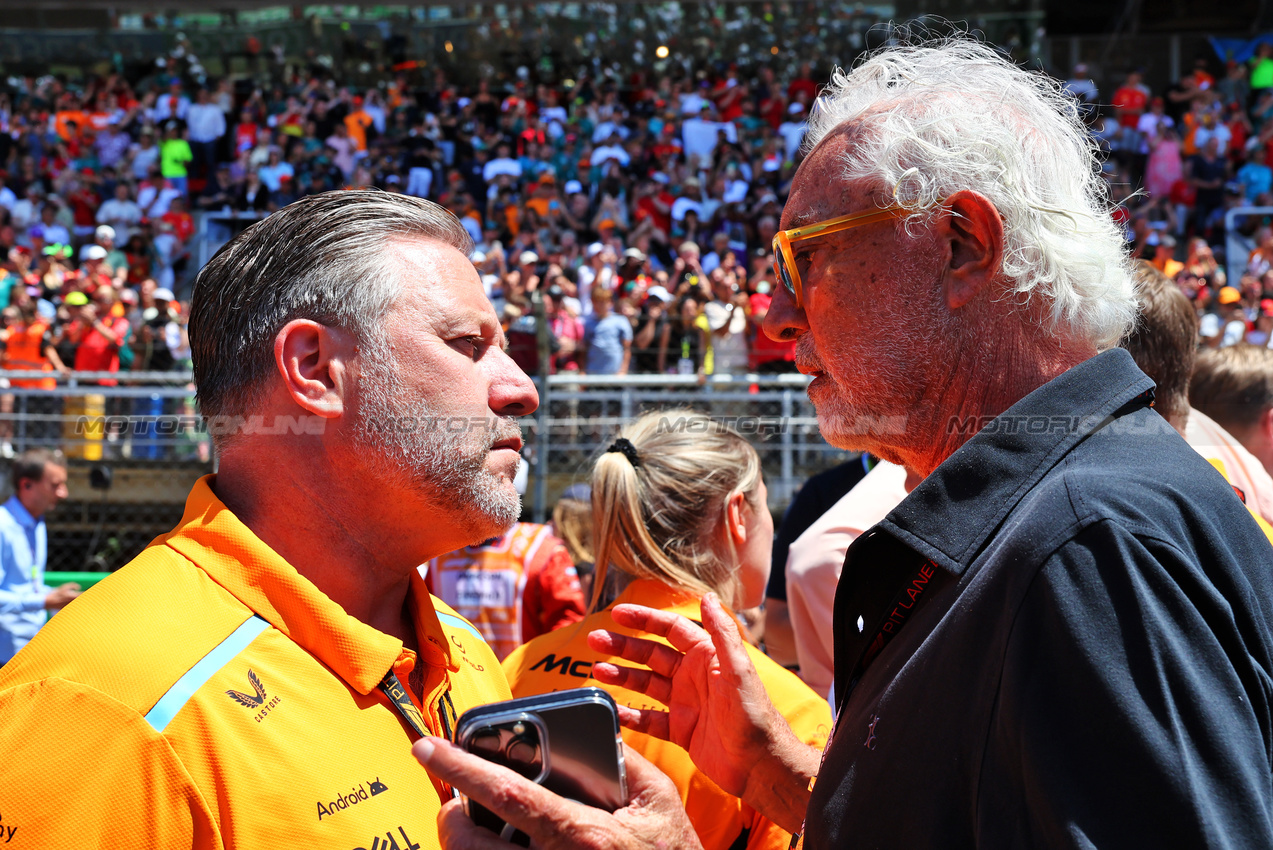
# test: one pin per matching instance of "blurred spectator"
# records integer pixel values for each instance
(607, 337)
(726, 317)
(1224, 324)
(98, 329)
(1082, 87)
(92, 274)
(1255, 177)
(155, 193)
(145, 154)
(1234, 387)
(514, 587)
(161, 339)
(38, 477)
(653, 328)
(206, 124)
(174, 158)
(275, 171)
(220, 192)
(49, 231)
(253, 195)
(567, 330)
(121, 213)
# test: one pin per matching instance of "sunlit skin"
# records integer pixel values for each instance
(317, 499)
(906, 333)
(909, 329)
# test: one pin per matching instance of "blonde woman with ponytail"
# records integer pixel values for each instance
(679, 510)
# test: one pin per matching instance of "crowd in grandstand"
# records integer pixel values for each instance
(632, 214)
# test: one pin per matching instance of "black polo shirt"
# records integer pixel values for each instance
(1065, 642)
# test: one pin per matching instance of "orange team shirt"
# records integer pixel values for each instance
(61, 124)
(207, 695)
(513, 587)
(357, 124)
(24, 350)
(563, 659)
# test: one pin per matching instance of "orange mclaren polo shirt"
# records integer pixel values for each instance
(562, 659)
(207, 695)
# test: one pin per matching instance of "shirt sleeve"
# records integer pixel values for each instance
(18, 594)
(81, 770)
(553, 597)
(1134, 706)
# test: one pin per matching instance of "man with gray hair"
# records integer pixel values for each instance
(1061, 637)
(255, 677)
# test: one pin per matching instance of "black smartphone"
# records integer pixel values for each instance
(566, 741)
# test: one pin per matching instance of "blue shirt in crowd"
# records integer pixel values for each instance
(1256, 179)
(605, 339)
(23, 555)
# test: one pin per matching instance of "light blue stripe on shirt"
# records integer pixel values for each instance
(459, 623)
(222, 654)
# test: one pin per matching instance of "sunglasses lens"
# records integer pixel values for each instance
(785, 274)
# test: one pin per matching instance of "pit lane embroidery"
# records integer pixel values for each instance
(870, 732)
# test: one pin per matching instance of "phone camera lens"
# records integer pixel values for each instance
(522, 751)
(485, 741)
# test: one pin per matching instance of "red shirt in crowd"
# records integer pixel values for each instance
(646, 208)
(764, 349)
(1130, 103)
(244, 137)
(95, 352)
(182, 224)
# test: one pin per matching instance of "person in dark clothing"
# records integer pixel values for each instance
(1063, 636)
(1208, 171)
(253, 195)
(813, 500)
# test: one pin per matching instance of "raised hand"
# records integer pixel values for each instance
(717, 708)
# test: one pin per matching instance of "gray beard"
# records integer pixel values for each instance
(411, 442)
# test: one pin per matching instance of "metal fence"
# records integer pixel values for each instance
(135, 449)
(579, 416)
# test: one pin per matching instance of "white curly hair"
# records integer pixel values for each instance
(944, 116)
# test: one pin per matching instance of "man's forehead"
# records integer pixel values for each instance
(440, 280)
(819, 190)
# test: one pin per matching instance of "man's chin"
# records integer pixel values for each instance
(854, 431)
(499, 508)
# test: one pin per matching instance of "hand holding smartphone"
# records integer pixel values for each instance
(566, 741)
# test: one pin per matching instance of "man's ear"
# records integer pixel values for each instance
(314, 362)
(974, 229)
(1266, 426)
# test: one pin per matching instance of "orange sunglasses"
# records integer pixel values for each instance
(785, 259)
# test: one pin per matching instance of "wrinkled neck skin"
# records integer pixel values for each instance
(989, 367)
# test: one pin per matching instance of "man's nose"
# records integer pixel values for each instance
(784, 320)
(512, 393)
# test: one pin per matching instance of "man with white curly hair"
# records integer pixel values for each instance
(1061, 637)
